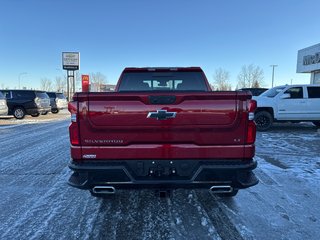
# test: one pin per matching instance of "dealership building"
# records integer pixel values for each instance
(309, 62)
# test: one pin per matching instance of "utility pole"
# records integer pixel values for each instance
(273, 66)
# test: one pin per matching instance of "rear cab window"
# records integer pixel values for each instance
(272, 92)
(7, 94)
(60, 96)
(23, 94)
(51, 95)
(42, 95)
(313, 92)
(1, 96)
(163, 81)
(295, 92)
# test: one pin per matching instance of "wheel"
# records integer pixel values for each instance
(45, 113)
(316, 123)
(263, 120)
(230, 194)
(19, 113)
(35, 114)
(54, 111)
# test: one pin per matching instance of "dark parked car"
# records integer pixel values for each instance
(254, 91)
(57, 101)
(27, 102)
(3, 105)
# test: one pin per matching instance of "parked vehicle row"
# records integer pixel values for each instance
(289, 103)
(20, 103)
(57, 101)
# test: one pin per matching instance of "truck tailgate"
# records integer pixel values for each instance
(115, 122)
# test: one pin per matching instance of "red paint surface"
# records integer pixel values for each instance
(208, 125)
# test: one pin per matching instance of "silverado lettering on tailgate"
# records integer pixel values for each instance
(101, 141)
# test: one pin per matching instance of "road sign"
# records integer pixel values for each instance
(85, 83)
(70, 60)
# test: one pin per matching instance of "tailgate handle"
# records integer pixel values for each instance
(162, 99)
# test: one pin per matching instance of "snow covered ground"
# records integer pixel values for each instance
(37, 203)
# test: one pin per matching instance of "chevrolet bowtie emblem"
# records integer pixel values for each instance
(162, 115)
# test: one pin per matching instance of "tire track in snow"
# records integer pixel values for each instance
(219, 219)
(61, 213)
(32, 145)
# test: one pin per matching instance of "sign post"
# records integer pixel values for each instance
(71, 63)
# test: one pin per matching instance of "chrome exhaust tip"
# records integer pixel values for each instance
(104, 190)
(221, 189)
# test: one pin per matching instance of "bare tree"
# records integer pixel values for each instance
(60, 84)
(97, 80)
(46, 84)
(221, 80)
(250, 76)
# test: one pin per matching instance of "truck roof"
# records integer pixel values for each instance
(163, 69)
(299, 85)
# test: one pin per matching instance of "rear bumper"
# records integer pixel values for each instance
(3, 111)
(59, 106)
(169, 174)
(38, 110)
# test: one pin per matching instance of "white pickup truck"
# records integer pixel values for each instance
(289, 103)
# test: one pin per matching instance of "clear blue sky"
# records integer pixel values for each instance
(111, 35)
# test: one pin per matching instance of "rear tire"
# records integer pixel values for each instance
(316, 123)
(263, 120)
(55, 111)
(19, 113)
(35, 114)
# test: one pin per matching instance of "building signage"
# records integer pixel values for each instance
(85, 83)
(311, 59)
(70, 60)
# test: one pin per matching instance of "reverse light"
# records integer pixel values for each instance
(252, 106)
(74, 117)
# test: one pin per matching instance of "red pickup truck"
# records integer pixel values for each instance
(162, 128)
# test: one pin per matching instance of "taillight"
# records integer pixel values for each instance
(251, 131)
(74, 126)
(37, 101)
(252, 105)
(74, 133)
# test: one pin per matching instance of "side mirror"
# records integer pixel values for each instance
(285, 96)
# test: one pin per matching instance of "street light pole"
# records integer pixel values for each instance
(273, 66)
(20, 74)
